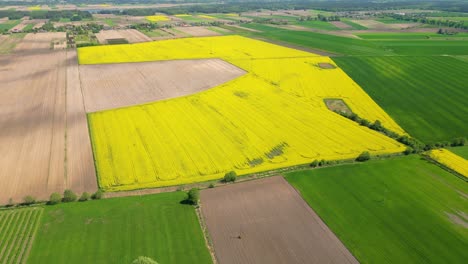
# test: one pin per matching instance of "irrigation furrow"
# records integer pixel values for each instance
(5, 231)
(19, 227)
(19, 236)
(27, 239)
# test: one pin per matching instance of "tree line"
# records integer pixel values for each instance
(73, 15)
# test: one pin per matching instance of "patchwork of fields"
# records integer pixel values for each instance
(399, 210)
(273, 116)
(397, 45)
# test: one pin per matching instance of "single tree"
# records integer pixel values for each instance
(314, 163)
(55, 198)
(10, 202)
(97, 195)
(230, 176)
(193, 196)
(363, 156)
(28, 200)
(69, 196)
(84, 197)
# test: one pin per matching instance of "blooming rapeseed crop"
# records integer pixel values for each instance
(272, 117)
(157, 18)
(450, 160)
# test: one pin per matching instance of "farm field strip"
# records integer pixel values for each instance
(398, 210)
(34, 121)
(197, 31)
(450, 160)
(119, 230)
(412, 91)
(81, 173)
(17, 233)
(268, 222)
(202, 136)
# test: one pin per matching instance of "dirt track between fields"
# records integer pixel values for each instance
(108, 86)
(35, 126)
(266, 221)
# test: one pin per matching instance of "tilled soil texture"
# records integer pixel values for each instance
(35, 126)
(108, 86)
(266, 221)
(131, 35)
(198, 31)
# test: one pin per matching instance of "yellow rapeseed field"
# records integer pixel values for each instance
(207, 17)
(271, 117)
(157, 18)
(35, 8)
(450, 160)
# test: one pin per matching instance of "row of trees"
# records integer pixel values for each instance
(413, 145)
(421, 18)
(73, 15)
(55, 198)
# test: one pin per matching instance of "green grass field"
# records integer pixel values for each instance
(7, 25)
(426, 95)
(460, 151)
(323, 25)
(354, 25)
(373, 44)
(119, 230)
(410, 36)
(314, 40)
(17, 229)
(400, 210)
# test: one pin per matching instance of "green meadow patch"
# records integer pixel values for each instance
(400, 210)
(426, 95)
(118, 230)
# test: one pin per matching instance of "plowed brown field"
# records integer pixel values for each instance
(266, 221)
(131, 35)
(107, 86)
(35, 126)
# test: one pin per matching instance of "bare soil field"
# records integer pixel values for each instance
(340, 25)
(108, 86)
(374, 24)
(131, 35)
(34, 123)
(266, 221)
(329, 32)
(198, 31)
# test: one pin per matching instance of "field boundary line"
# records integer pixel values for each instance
(322, 224)
(30, 230)
(444, 167)
(241, 178)
(206, 234)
